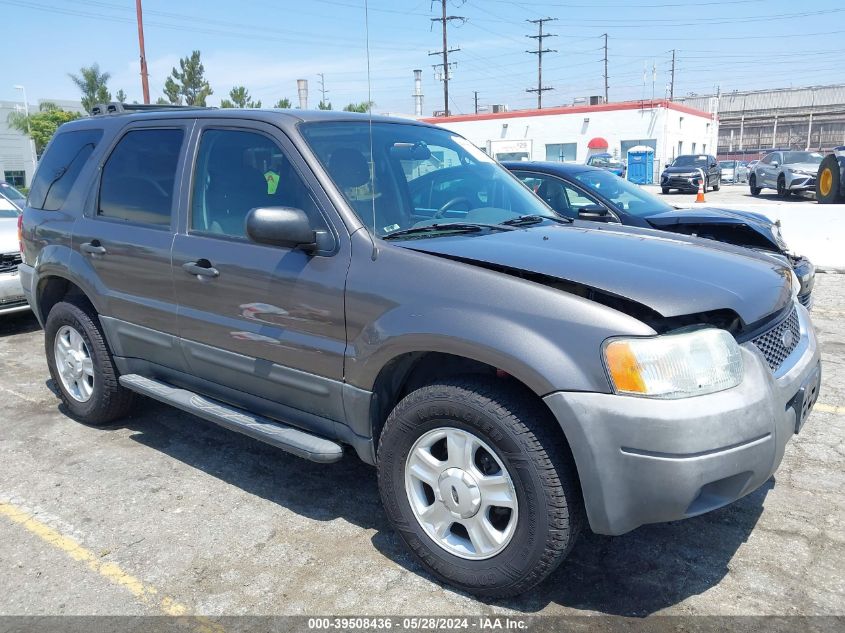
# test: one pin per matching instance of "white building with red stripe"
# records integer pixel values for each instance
(573, 133)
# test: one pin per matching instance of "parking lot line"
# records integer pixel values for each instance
(827, 408)
(142, 591)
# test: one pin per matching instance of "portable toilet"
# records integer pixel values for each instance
(641, 165)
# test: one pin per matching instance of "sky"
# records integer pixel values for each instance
(266, 45)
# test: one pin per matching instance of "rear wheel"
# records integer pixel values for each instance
(82, 366)
(752, 183)
(478, 486)
(829, 181)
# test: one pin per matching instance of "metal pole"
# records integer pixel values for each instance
(810, 125)
(145, 83)
(445, 64)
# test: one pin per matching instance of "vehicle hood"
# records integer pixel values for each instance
(712, 216)
(683, 170)
(9, 235)
(672, 275)
(812, 168)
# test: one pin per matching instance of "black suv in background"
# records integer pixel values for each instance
(327, 282)
(684, 174)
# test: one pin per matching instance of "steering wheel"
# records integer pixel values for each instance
(449, 204)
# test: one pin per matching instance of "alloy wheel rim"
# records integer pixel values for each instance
(74, 364)
(461, 494)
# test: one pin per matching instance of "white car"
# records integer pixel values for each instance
(11, 293)
(786, 172)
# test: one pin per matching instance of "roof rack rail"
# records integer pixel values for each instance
(115, 107)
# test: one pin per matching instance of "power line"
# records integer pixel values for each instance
(444, 52)
(540, 89)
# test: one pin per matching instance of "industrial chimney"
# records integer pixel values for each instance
(302, 88)
(418, 95)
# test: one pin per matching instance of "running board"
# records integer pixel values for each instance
(287, 438)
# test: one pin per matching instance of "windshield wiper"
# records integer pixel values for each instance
(527, 220)
(449, 227)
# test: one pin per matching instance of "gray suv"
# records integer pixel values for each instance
(296, 277)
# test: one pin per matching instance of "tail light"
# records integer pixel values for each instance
(20, 234)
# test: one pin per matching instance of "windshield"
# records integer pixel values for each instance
(624, 195)
(418, 176)
(813, 158)
(606, 162)
(727, 164)
(690, 161)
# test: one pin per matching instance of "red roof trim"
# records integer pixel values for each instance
(604, 107)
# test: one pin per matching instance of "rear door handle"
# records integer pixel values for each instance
(93, 248)
(200, 270)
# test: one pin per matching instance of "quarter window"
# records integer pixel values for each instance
(60, 167)
(238, 171)
(560, 196)
(139, 176)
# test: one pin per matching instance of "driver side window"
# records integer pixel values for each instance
(563, 198)
(237, 171)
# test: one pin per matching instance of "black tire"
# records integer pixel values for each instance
(752, 184)
(109, 400)
(783, 192)
(665, 190)
(831, 172)
(706, 185)
(717, 186)
(521, 431)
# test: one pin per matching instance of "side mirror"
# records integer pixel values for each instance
(281, 226)
(713, 164)
(594, 212)
(666, 166)
(775, 164)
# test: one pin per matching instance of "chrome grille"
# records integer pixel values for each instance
(771, 342)
(9, 262)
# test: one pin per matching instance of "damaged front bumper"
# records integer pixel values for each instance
(643, 460)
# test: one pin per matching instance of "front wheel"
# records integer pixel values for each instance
(479, 486)
(665, 190)
(717, 186)
(752, 184)
(783, 192)
(82, 366)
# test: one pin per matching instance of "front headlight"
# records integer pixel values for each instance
(674, 365)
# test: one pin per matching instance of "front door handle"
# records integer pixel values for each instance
(93, 248)
(202, 268)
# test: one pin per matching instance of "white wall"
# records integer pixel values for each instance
(665, 126)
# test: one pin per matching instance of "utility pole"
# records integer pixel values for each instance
(475, 94)
(672, 81)
(444, 52)
(323, 91)
(145, 80)
(540, 89)
(605, 69)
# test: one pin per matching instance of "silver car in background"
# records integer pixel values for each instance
(11, 293)
(785, 171)
(733, 171)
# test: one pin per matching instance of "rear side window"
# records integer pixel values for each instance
(139, 175)
(60, 167)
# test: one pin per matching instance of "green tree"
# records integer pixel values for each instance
(282, 103)
(188, 84)
(120, 96)
(162, 101)
(324, 105)
(239, 98)
(364, 106)
(93, 84)
(40, 126)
